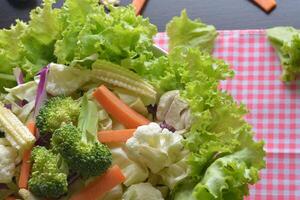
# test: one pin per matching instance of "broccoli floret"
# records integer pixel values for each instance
(84, 155)
(49, 174)
(56, 111)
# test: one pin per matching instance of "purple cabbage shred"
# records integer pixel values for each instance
(167, 126)
(41, 95)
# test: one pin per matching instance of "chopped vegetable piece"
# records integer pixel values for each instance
(26, 164)
(49, 174)
(15, 131)
(119, 110)
(8, 156)
(101, 185)
(138, 5)
(115, 135)
(41, 94)
(133, 171)
(154, 147)
(121, 77)
(83, 153)
(27, 195)
(266, 5)
(56, 111)
(88, 119)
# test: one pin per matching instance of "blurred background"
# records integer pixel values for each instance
(224, 14)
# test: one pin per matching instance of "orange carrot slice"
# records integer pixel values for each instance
(26, 165)
(118, 109)
(138, 5)
(115, 135)
(101, 185)
(266, 5)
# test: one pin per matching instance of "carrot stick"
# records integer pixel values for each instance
(266, 5)
(138, 5)
(115, 135)
(101, 185)
(119, 110)
(26, 165)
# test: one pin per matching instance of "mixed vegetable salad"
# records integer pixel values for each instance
(92, 110)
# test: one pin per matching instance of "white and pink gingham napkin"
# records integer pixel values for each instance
(274, 108)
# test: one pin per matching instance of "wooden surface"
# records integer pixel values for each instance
(224, 14)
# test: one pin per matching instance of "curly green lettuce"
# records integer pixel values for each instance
(191, 33)
(286, 41)
(73, 33)
(114, 37)
(10, 54)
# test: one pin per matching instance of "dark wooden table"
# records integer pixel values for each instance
(224, 14)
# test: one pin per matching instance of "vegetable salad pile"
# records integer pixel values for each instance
(92, 110)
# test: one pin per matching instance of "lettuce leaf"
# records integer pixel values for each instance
(286, 41)
(114, 37)
(30, 46)
(39, 37)
(228, 176)
(10, 54)
(183, 31)
(185, 66)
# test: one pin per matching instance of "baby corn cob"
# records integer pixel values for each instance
(124, 78)
(15, 131)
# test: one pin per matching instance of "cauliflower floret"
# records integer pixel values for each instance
(134, 172)
(143, 191)
(8, 157)
(155, 147)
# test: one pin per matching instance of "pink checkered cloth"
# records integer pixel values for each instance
(274, 108)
